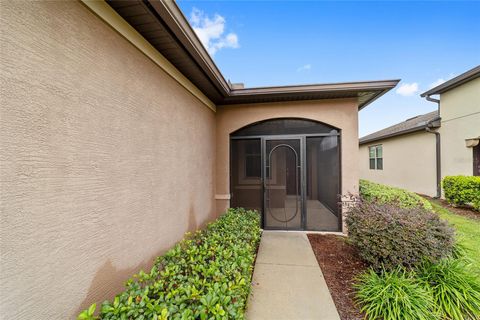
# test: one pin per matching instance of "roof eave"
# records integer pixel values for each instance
(453, 83)
(178, 28)
(174, 17)
(400, 133)
(338, 86)
(296, 92)
(430, 124)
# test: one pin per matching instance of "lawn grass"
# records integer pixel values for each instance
(468, 231)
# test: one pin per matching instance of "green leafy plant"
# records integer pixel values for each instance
(388, 236)
(88, 314)
(455, 287)
(380, 193)
(462, 190)
(205, 276)
(393, 295)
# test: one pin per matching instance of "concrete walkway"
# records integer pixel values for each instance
(287, 281)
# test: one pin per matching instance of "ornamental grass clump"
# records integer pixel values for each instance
(455, 287)
(394, 295)
(388, 236)
(205, 276)
(371, 191)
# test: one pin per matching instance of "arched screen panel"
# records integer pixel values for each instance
(285, 127)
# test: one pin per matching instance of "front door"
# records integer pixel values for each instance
(282, 177)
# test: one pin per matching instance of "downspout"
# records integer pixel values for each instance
(437, 147)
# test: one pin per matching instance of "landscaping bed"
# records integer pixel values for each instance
(404, 258)
(340, 264)
(205, 276)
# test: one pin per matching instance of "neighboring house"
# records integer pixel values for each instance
(417, 153)
(119, 134)
(402, 155)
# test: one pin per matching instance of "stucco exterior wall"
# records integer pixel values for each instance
(105, 160)
(408, 163)
(342, 114)
(460, 112)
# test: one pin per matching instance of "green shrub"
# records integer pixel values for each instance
(205, 276)
(462, 190)
(393, 295)
(388, 236)
(455, 288)
(385, 194)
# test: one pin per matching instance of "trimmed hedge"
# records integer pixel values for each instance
(205, 276)
(462, 190)
(388, 236)
(370, 191)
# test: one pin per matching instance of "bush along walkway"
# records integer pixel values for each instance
(417, 270)
(205, 276)
(287, 281)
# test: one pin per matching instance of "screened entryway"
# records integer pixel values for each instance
(288, 170)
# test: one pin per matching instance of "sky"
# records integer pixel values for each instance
(268, 43)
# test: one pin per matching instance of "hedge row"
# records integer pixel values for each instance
(462, 190)
(396, 196)
(205, 276)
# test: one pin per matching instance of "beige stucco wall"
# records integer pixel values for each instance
(342, 114)
(408, 162)
(105, 160)
(460, 112)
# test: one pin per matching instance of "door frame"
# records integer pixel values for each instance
(301, 139)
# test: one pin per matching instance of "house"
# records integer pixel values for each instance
(119, 134)
(416, 154)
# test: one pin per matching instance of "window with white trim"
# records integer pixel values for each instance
(376, 157)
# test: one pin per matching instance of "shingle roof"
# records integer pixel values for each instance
(410, 125)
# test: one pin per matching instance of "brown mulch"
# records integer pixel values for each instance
(340, 264)
(462, 211)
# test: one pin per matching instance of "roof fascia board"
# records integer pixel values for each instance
(311, 88)
(115, 21)
(453, 83)
(376, 88)
(174, 17)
